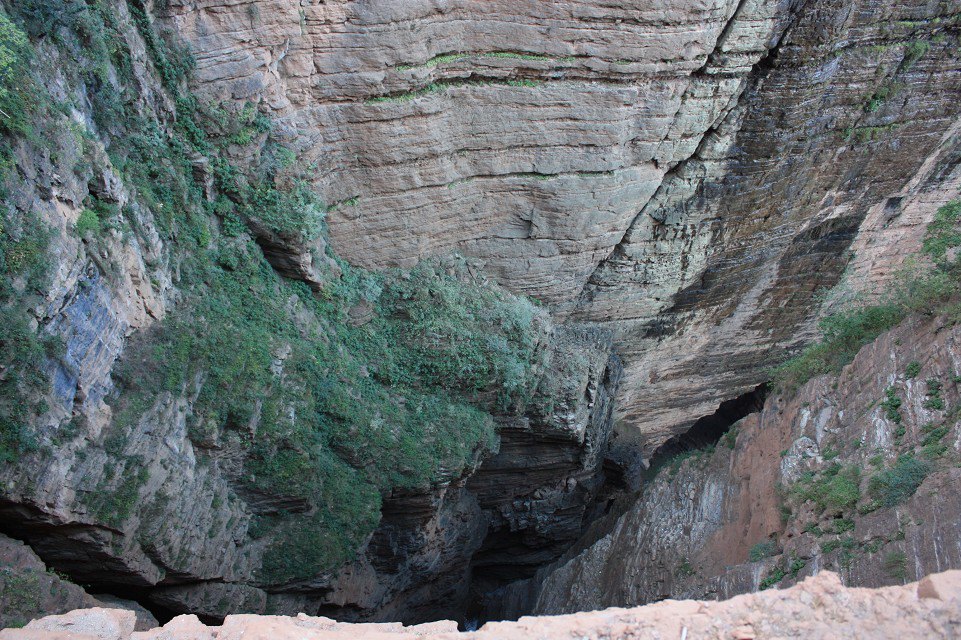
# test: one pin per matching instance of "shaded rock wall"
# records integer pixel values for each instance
(772, 481)
(29, 590)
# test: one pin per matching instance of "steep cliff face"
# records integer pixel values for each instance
(266, 342)
(687, 174)
(853, 473)
(203, 409)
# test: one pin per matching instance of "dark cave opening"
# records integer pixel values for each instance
(708, 430)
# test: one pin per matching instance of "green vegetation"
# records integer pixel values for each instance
(438, 87)
(842, 525)
(797, 564)
(845, 542)
(88, 222)
(773, 578)
(931, 444)
(729, 439)
(912, 370)
(896, 565)
(763, 549)
(933, 400)
(892, 405)
(21, 595)
(929, 291)
(943, 233)
(835, 489)
(895, 485)
(879, 97)
(673, 463)
(449, 58)
(685, 569)
(862, 135)
(914, 51)
(328, 413)
(114, 500)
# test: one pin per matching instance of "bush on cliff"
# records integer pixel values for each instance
(327, 414)
(928, 290)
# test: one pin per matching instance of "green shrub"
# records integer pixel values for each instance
(895, 485)
(87, 222)
(763, 549)
(846, 332)
(892, 405)
(843, 336)
(685, 568)
(23, 257)
(836, 489)
(729, 439)
(934, 401)
(773, 578)
(842, 525)
(797, 564)
(912, 370)
(845, 543)
(931, 445)
(17, 93)
(896, 565)
(914, 51)
(943, 233)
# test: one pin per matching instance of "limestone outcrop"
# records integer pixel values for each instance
(688, 175)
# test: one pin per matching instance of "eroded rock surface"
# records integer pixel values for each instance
(29, 590)
(686, 174)
(677, 181)
(835, 476)
(819, 607)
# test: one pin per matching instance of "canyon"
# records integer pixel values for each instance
(410, 311)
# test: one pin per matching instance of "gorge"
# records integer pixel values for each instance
(418, 310)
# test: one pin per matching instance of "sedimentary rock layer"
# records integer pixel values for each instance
(688, 174)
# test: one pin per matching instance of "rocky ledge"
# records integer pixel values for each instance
(818, 607)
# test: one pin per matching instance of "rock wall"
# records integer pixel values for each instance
(29, 590)
(688, 175)
(677, 182)
(834, 476)
(127, 496)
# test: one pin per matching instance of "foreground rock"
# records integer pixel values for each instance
(819, 607)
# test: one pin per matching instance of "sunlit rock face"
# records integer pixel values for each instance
(689, 174)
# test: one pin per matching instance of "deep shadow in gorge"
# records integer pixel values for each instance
(491, 585)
